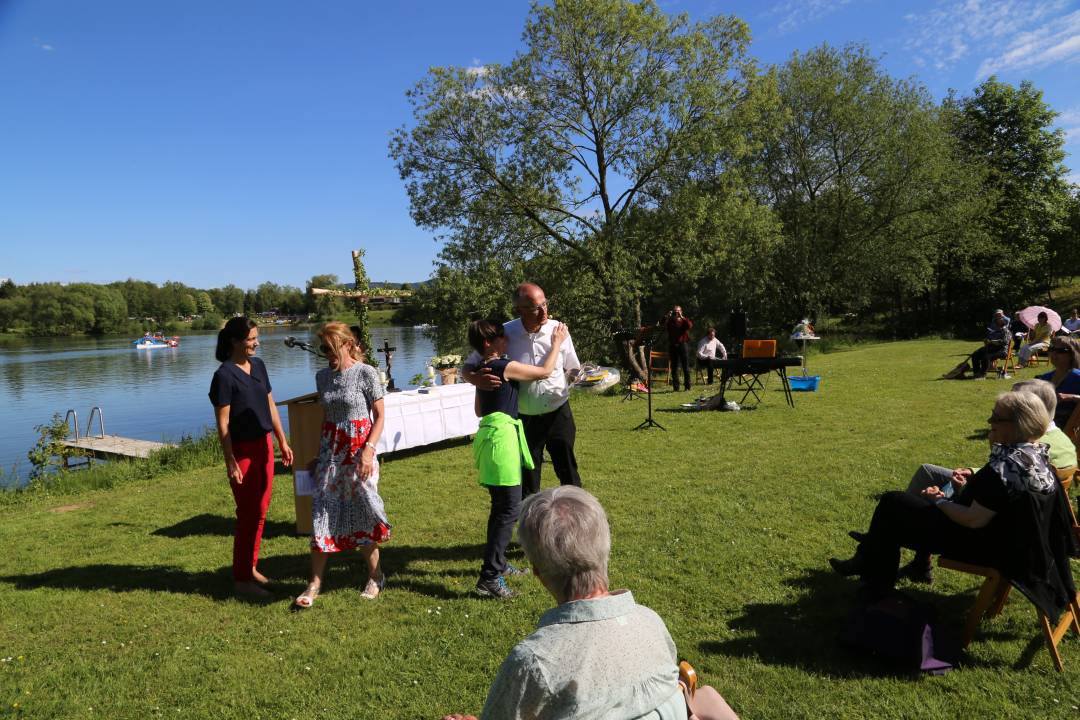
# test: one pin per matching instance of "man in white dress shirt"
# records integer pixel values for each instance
(542, 404)
(710, 348)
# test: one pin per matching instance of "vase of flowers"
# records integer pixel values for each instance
(447, 365)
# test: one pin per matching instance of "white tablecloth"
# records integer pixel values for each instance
(414, 418)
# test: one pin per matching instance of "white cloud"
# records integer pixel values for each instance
(1057, 41)
(1008, 34)
(43, 45)
(795, 13)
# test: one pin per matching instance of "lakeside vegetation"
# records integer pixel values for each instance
(136, 306)
(722, 525)
(628, 159)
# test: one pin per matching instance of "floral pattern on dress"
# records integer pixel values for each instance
(347, 511)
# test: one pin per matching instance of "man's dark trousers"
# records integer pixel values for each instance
(556, 431)
(680, 354)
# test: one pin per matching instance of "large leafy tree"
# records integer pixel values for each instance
(1009, 131)
(549, 159)
(862, 174)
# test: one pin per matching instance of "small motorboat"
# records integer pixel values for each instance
(157, 340)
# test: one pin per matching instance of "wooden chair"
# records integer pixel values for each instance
(1072, 428)
(658, 363)
(994, 593)
(991, 599)
(1008, 364)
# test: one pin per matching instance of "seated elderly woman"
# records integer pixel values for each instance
(597, 654)
(969, 526)
(1062, 454)
(1038, 339)
(1065, 377)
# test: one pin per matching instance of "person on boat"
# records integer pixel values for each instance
(246, 415)
(347, 511)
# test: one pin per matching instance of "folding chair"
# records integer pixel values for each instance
(994, 593)
(1008, 364)
(992, 598)
(658, 363)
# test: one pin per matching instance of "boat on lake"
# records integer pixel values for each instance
(157, 340)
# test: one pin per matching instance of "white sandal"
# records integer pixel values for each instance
(307, 598)
(373, 587)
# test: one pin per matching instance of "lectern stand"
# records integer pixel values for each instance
(305, 428)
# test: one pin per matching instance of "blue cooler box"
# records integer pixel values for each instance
(808, 383)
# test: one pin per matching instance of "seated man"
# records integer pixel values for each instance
(710, 348)
(597, 654)
(995, 347)
(951, 482)
(1038, 339)
(1071, 324)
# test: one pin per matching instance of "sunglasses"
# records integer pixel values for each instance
(997, 419)
(1058, 348)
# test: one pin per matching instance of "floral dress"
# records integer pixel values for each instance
(346, 511)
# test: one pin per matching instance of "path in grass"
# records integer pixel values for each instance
(116, 603)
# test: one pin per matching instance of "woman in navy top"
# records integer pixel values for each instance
(1065, 357)
(499, 448)
(246, 415)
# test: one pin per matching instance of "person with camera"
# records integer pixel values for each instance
(678, 328)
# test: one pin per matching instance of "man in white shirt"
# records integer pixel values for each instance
(542, 404)
(710, 348)
(1072, 323)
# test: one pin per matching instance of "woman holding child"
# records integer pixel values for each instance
(347, 511)
(499, 448)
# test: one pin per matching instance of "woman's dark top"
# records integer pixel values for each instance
(246, 396)
(1070, 385)
(503, 399)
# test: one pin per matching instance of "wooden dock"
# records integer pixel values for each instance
(116, 446)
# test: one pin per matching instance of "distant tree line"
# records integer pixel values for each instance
(136, 305)
(627, 159)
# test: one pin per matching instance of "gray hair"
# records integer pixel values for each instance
(1041, 389)
(564, 533)
(1027, 412)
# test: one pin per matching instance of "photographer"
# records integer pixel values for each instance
(678, 328)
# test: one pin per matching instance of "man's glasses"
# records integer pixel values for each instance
(533, 308)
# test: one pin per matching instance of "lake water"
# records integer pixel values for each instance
(158, 394)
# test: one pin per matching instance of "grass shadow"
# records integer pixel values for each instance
(804, 633)
(220, 525)
(404, 562)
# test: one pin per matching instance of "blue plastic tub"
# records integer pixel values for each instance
(808, 383)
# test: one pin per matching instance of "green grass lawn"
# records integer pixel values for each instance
(116, 603)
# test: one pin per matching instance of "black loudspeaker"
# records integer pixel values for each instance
(737, 323)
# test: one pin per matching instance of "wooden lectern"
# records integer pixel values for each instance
(305, 428)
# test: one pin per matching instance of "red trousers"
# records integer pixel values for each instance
(256, 461)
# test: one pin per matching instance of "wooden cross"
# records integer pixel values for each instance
(388, 352)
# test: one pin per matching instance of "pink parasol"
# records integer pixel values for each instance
(1030, 317)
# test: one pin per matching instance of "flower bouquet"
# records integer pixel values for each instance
(447, 366)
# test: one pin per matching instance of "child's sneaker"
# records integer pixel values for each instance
(496, 588)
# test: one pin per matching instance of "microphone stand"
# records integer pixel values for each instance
(648, 422)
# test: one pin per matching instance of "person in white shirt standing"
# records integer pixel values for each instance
(542, 404)
(710, 348)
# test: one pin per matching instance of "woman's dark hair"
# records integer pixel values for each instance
(481, 331)
(236, 330)
(1042, 317)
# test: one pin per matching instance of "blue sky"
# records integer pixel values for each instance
(213, 142)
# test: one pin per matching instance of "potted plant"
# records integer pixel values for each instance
(447, 365)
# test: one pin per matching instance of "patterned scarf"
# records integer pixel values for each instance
(1023, 467)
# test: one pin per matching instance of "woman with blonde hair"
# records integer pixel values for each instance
(347, 511)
